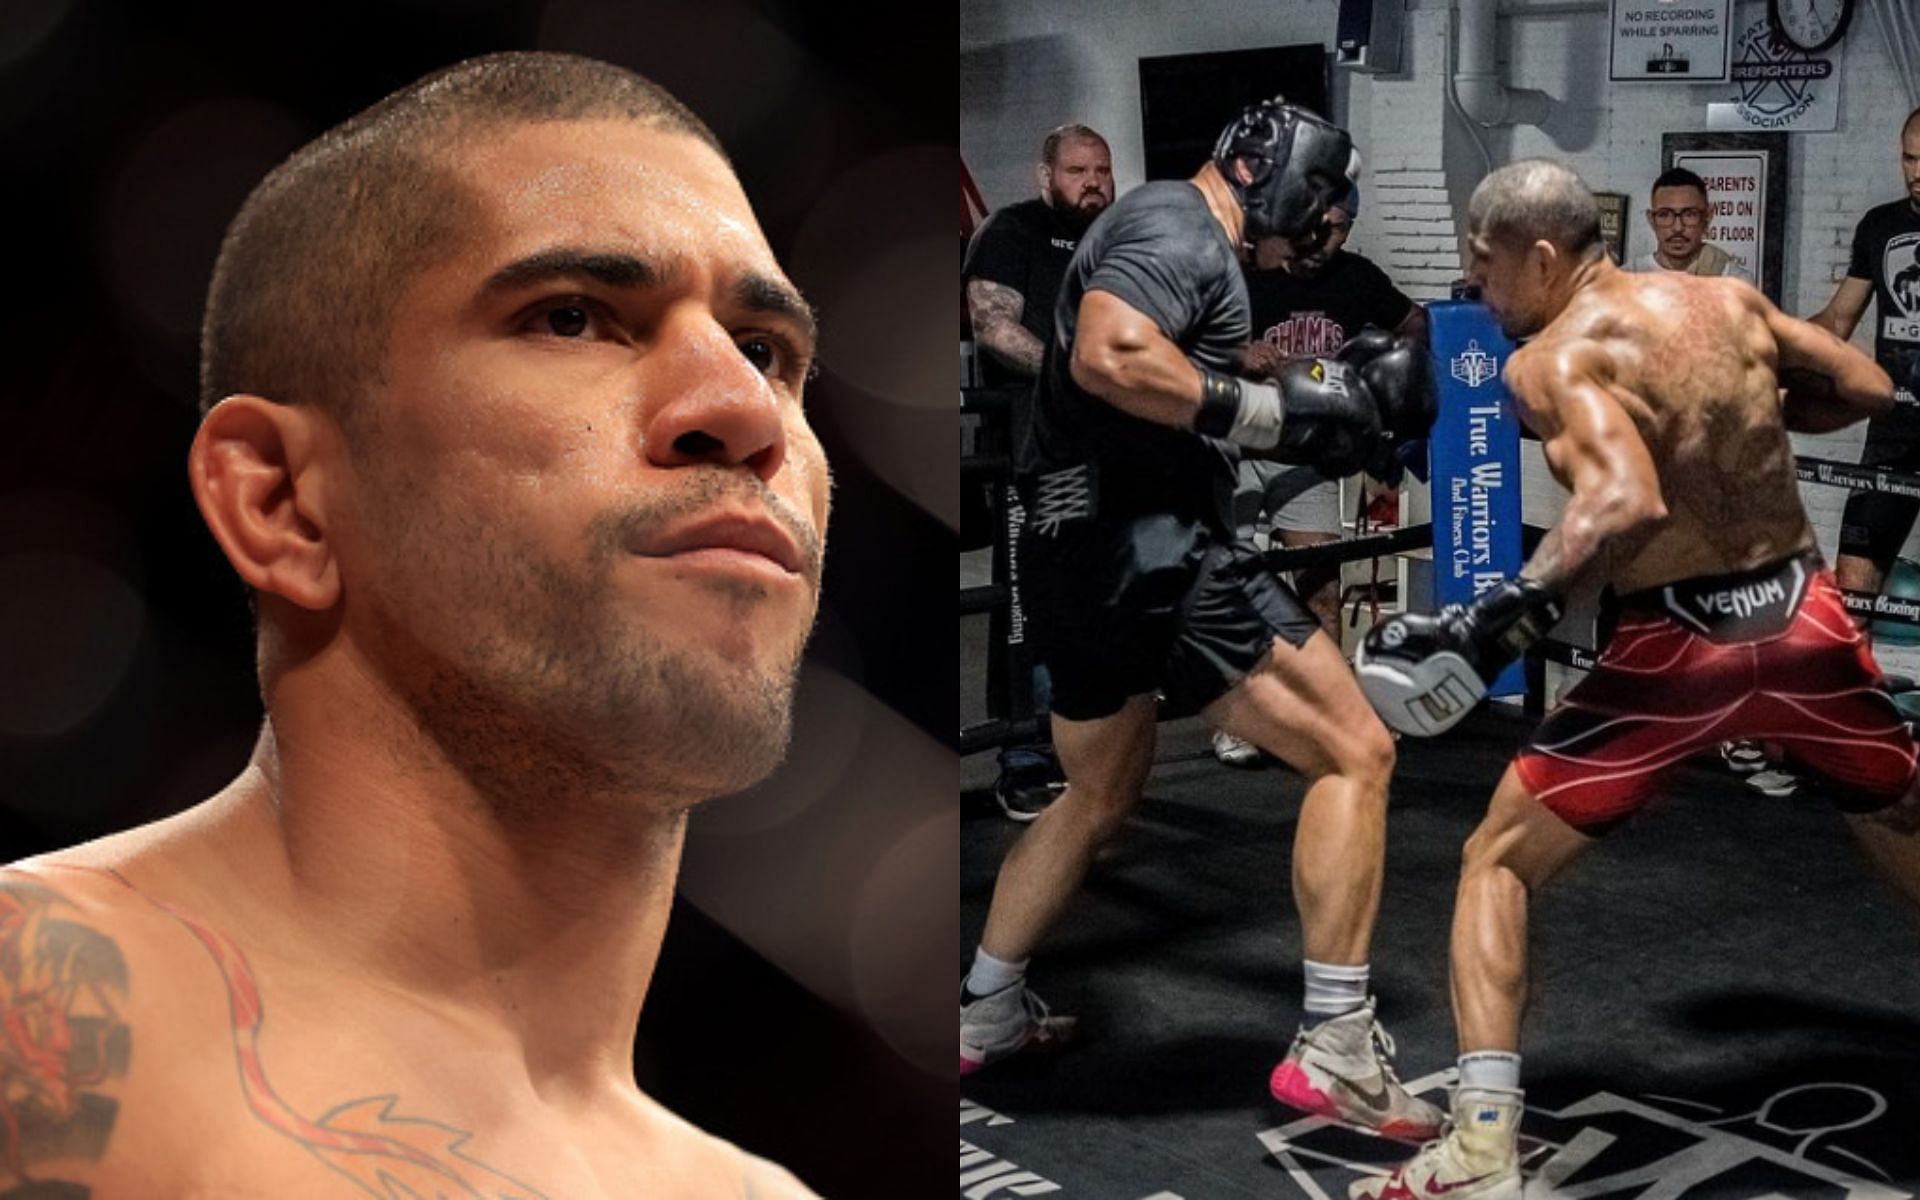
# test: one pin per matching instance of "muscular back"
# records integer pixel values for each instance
(1691, 360)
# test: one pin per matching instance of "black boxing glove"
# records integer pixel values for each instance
(1422, 674)
(1313, 411)
(1399, 374)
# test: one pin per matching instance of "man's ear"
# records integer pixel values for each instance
(1547, 255)
(1043, 175)
(260, 480)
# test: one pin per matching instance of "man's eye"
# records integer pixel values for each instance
(567, 321)
(767, 356)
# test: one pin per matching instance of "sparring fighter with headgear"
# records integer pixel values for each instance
(1134, 585)
(1659, 405)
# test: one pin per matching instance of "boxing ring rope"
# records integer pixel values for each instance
(1010, 706)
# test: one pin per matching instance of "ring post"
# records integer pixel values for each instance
(1475, 450)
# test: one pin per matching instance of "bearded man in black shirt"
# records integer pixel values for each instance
(1020, 253)
(1012, 272)
(1134, 585)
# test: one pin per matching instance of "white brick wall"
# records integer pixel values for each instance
(1027, 65)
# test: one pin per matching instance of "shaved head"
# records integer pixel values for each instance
(1534, 201)
(301, 305)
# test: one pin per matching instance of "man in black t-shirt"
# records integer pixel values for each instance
(1309, 304)
(1885, 269)
(1020, 253)
(1314, 304)
(1134, 585)
(1012, 273)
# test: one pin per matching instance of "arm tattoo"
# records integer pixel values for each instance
(61, 1036)
(381, 1151)
(996, 310)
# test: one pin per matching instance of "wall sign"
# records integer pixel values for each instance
(1779, 86)
(1746, 177)
(1671, 41)
(1613, 223)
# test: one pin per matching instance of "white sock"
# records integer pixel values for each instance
(990, 974)
(1333, 990)
(1490, 1069)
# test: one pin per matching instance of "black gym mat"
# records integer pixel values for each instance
(1726, 1000)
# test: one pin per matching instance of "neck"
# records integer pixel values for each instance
(1585, 274)
(1222, 203)
(530, 914)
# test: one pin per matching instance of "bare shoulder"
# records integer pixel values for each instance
(702, 1163)
(90, 986)
(766, 1180)
(1557, 356)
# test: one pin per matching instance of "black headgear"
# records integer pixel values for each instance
(1300, 165)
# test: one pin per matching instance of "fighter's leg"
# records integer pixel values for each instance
(1106, 761)
(1302, 704)
(1519, 845)
(1873, 527)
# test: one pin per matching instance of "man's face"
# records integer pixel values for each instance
(1910, 161)
(590, 510)
(1679, 220)
(1511, 283)
(1080, 181)
(1313, 264)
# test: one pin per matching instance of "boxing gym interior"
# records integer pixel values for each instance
(1722, 998)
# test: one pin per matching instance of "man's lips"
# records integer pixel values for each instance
(727, 535)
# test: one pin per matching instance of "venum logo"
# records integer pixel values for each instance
(1475, 366)
(1776, 80)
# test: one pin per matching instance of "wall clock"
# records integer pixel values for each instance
(1810, 25)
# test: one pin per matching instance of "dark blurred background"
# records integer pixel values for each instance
(801, 1006)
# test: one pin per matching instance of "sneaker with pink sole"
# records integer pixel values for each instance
(1342, 1069)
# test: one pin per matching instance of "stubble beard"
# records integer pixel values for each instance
(551, 690)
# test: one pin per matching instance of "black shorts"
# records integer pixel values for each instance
(1126, 607)
(1875, 525)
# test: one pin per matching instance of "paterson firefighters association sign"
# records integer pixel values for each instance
(1779, 86)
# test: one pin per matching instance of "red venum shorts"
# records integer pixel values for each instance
(1768, 654)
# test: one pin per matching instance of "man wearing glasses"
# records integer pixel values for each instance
(1680, 218)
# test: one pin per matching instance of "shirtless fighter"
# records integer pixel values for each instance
(1657, 399)
(1134, 585)
(504, 434)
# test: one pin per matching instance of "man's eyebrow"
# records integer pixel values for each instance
(612, 269)
(754, 291)
(767, 294)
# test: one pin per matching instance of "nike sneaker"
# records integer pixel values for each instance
(1479, 1159)
(1005, 1022)
(1342, 1068)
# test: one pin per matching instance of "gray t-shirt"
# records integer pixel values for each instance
(1160, 251)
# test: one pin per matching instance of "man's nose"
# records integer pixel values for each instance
(707, 405)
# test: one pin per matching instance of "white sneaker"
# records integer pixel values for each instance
(1479, 1159)
(1006, 1022)
(1343, 1069)
(1233, 751)
(1774, 783)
